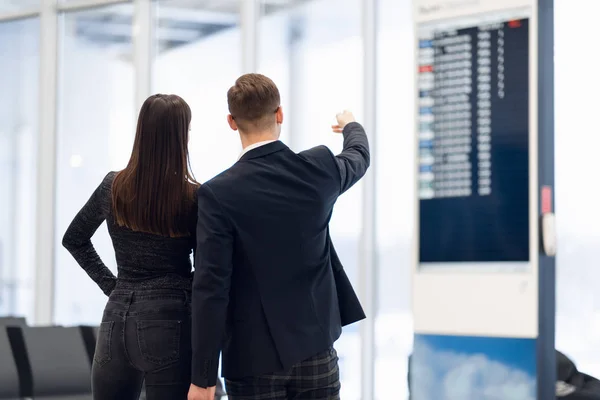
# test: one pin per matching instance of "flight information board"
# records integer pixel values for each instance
(474, 142)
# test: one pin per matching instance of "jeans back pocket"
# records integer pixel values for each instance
(102, 353)
(159, 340)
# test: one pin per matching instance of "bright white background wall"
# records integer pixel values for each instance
(95, 134)
(394, 196)
(577, 164)
(202, 72)
(19, 66)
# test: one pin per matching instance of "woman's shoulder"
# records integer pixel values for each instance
(108, 181)
(106, 187)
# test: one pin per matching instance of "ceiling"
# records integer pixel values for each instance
(224, 5)
(179, 22)
(213, 5)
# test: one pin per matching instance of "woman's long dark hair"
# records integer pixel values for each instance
(155, 192)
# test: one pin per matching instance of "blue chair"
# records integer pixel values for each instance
(59, 363)
(9, 376)
(12, 321)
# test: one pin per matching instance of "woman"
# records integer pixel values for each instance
(150, 211)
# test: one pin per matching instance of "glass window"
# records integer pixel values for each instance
(96, 126)
(317, 63)
(17, 5)
(577, 144)
(19, 71)
(198, 50)
(394, 197)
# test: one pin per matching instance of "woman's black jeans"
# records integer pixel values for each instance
(144, 335)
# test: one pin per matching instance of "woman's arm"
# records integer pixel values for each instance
(77, 239)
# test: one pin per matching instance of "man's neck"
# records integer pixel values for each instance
(249, 140)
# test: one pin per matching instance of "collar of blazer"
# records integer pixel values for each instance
(264, 150)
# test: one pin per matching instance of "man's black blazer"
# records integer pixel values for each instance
(351, 310)
(264, 289)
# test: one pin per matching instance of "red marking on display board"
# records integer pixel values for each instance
(546, 199)
(426, 68)
(514, 23)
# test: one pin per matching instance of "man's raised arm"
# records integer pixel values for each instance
(355, 158)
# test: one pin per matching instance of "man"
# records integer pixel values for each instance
(268, 288)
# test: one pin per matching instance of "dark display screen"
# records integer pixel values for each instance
(474, 143)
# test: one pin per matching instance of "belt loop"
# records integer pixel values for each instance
(131, 297)
(188, 298)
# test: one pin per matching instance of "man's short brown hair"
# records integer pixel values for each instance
(253, 102)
